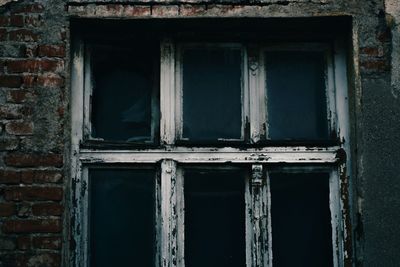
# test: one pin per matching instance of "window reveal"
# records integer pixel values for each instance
(208, 202)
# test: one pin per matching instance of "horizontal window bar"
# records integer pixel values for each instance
(215, 155)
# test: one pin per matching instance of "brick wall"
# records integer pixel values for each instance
(32, 80)
(34, 117)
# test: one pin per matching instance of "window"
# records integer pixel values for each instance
(208, 151)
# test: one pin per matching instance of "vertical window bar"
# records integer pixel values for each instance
(337, 228)
(167, 92)
(260, 236)
(169, 213)
(256, 77)
(330, 92)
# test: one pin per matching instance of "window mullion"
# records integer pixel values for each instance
(171, 213)
(256, 81)
(259, 232)
(167, 92)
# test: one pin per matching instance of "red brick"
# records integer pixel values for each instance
(4, 21)
(31, 65)
(8, 144)
(137, 11)
(370, 51)
(29, 8)
(14, 111)
(10, 81)
(33, 193)
(50, 80)
(3, 34)
(47, 209)
(29, 80)
(33, 160)
(19, 96)
(19, 128)
(379, 65)
(47, 242)
(32, 226)
(24, 242)
(17, 21)
(164, 11)
(10, 177)
(51, 51)
(189, 10)
(7, 209)
(23, 35)
(39, 176)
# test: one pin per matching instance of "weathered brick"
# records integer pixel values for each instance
(24, 210)
(33, 21)
(51, 50)
(29, 80)
(14, 111)
(32, 65)
(32, 226)
(19, 127)
(7, 209)
(33, 193)
(24, 242)
(189, 10)
(17, 21)
(50, 80)
(10, 177)
(4, 21)
(371, 51)
(19, 96)
(44, 260)
(23, 35)
(375, 65)
(7, 243)
(164, 11)
(10, 81)
(47, 209)
(8, 144)
(33, 160)
(47, 242)
(29, 8)
(3, 34)
(41, 176)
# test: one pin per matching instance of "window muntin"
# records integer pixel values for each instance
(169, 212)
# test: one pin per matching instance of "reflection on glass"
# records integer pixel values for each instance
(211, 94)
(296, 95)
(121, 217)
(214, 218)
(301, 221)
(123, 80)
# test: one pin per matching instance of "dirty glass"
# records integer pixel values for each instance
(296, 99)
(214, 218)
(211, 94)
(121, 217)
(123, 81)
(301, 221)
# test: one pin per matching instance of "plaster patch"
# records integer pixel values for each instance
(393, 14)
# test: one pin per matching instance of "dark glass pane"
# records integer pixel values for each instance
(214, 218)
(121, 217)
(212, 94)
(123, 79)
(301, 221)
(296, 95)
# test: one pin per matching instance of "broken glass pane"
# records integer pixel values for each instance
(121, 217)
(214, 218)
(123, 82)
(211, 94)
(296, 97)
(301, 220)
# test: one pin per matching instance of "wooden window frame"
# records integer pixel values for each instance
(170, 157)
